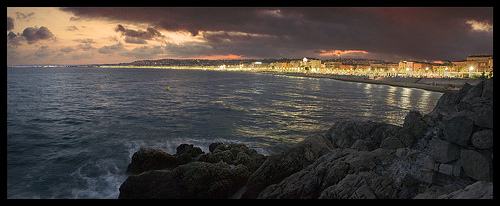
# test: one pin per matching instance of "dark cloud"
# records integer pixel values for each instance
(144, 52)
(135, 40)
(86, 47)
(35, 34)
(394, 33)
(24, 17)
(10, 23)
(14, 39)
(85, 41)
(111, 49)
(44, 51)
(139, 36)
(72, 28)
(67, 49)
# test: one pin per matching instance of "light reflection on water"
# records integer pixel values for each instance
(75, 129)
(288, 109)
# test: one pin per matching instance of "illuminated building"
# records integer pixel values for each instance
(480, 63)
(333, 64)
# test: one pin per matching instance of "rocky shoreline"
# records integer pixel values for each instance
(446, 154)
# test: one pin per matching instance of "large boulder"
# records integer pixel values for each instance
(478, 190)
(195, 180)
(483, 139)
(443, 151)
(458, 130)
(477, 165)
(363, 135)
(151, 159)
(347, 173)
(234, 154)
(279, 166)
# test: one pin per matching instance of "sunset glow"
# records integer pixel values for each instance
(46, 35)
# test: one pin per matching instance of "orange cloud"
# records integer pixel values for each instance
(215, 57)
(339, 52)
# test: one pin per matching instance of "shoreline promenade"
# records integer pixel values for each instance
(443, 85)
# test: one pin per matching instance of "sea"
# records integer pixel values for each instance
(72, 131)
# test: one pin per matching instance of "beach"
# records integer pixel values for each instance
(443, 85)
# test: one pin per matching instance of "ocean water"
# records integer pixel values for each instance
(71, 132)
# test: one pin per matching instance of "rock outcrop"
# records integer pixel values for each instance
(190, 173)
(446, 154)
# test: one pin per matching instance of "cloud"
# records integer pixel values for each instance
(480, 26)
(44, 51)
(72, 28)
(218, 37)
(86, 47)
(338, 53)
(190, 49)
(85, 41)
(24, 17)
(139, 36)
(135, 40)
(111, 49)
(418, 33)
(10, 23)
(35, 34)
(67, 49)
(144, 52)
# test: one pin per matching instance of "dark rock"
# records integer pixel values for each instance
(435, 191)
(365, 185)
(346, 134)
(217, 145)
(458, 130)
(443, 151)
(344, 173)
(155, 159)
(277, 167)
(483, 139)
(234, 154)
(478, 190)
(476, 165)
(414, 125)
(195, 180)
(151, 159)
(154, 184)
(488, 89)
(186, 152)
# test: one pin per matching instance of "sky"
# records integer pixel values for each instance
(80, 35)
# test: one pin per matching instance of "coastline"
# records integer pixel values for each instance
(442, 85)
(436, 85)
(352, 160)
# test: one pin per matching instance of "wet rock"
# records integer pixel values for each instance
(234, 154)
(279, 166)
(443, 151)
(478, 190)
(195, 180)
(151, 159)
(476, 165)
(483, 139)
(363, 135)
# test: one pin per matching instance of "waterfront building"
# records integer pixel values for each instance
(414, 66)
(311, 62)
(347, 66)
(333, 64)
(480, 63)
